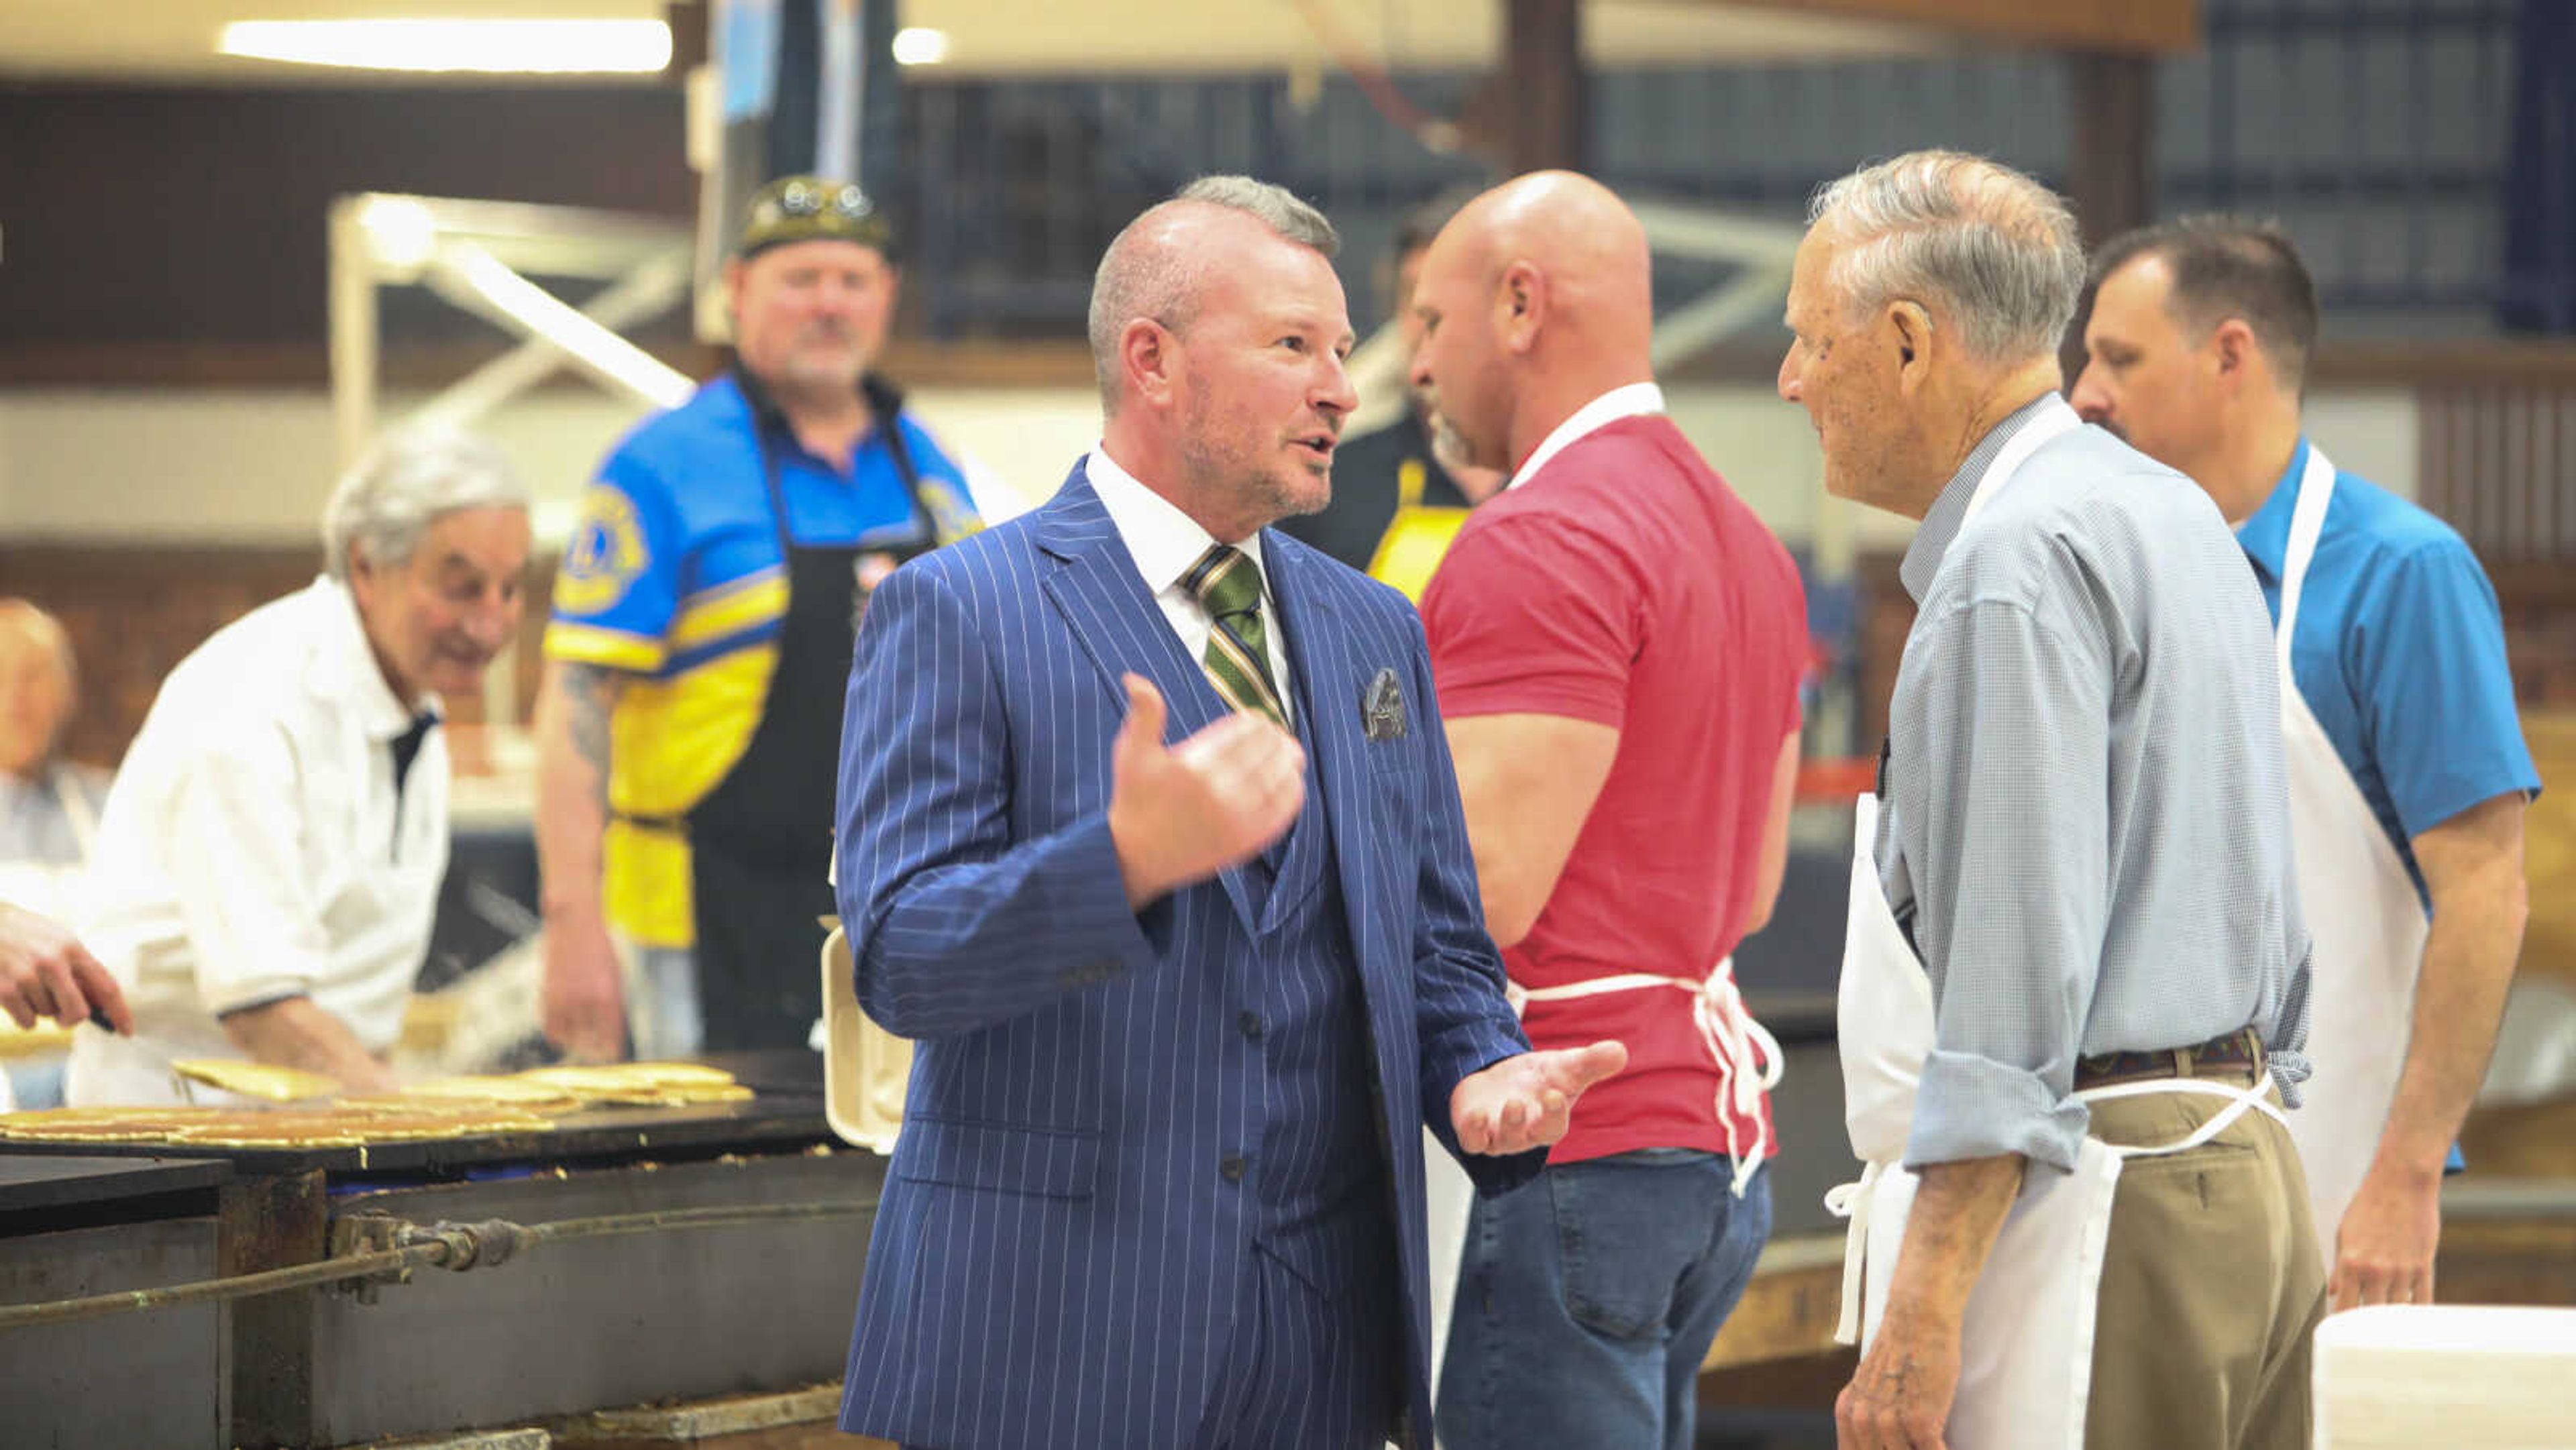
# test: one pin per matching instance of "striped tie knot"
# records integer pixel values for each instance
(1228, 583)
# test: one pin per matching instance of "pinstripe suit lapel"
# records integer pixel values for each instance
(1104, 603)
(1319, 659)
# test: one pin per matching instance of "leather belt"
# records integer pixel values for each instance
(2239, 1053)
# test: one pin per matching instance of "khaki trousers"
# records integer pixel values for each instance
(2212, 1284)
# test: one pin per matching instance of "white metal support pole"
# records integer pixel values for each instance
(353, 329)
(645, 293)
(481, 283)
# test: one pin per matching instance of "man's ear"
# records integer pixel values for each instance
(1147, 355)
(2234, 347)
(1520, 305)
(1910, 332)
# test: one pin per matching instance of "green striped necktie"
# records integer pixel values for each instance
(1238, 651)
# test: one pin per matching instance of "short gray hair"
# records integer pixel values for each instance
(1140, 279)
(1995, 250)
(406, 481)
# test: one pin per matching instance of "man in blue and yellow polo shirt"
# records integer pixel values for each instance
(689, 723)
(2407, 769)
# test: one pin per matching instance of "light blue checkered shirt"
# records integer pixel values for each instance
(2088, 831)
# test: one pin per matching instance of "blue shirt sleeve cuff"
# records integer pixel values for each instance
(1974, 1107)
(2289, 1070)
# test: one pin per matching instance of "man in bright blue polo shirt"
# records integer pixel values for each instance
(689, 724)
(2408, 769)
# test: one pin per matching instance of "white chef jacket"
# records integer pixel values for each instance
(254, 847)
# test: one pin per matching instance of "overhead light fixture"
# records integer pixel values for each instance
(553, 47)
(917, 45)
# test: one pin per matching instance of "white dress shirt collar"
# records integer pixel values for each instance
(1622, 402)
(1164, 541)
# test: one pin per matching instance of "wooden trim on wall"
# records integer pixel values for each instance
(134, 611)
(2508, 362)
(2141, 27)
(1754, 360)
(914, 363)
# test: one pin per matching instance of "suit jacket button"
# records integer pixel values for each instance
(1231, 1168)
(1252, 1025)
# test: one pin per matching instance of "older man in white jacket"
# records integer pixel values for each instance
(270, 856)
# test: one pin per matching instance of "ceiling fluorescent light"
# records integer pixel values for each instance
(523, 46)
(915, 45)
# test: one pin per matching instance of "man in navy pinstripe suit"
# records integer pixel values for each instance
(1179, 1005)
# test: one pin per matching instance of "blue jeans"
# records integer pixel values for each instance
(1588, 1297)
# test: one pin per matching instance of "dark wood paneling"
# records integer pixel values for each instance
(2498, 460)
(148, 215)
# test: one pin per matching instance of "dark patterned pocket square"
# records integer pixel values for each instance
(1382, 708)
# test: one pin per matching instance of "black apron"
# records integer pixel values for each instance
(760, 843)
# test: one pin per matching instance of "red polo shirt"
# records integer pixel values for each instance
(1624, 583)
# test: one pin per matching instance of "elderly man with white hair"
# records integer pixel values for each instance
(2074, 993)
(269, 859)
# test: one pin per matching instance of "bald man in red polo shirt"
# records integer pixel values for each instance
(1617, 642)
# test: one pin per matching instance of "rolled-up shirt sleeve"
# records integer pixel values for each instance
(237, 870)
(2001, 785)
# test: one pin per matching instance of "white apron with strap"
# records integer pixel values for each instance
(2026, 1346)
(2364, 918)
(1735, 1042)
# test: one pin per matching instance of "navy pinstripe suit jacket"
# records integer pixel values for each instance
(1055, 1257)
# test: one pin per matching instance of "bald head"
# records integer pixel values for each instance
(36, 685)
(1157, 267)
(1535, 299)
(1585, 246)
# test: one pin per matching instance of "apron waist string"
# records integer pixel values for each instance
(1744, 1050)
(1852, 1201)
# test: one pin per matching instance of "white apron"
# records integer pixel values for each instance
(2366, 922)
(2026, 1346)
(54, 889)
(1735, 1042)
(50, 889)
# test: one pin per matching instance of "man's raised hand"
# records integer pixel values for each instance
(1181, 813)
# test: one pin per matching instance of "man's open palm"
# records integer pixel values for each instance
(1524, 1102)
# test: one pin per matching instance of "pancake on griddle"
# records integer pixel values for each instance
(265, 1081)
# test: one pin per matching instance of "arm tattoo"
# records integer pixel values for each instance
(590, 695)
